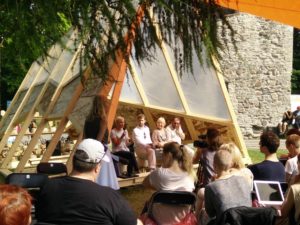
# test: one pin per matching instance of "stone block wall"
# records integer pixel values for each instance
(258, 72)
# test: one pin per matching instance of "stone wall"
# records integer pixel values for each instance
(258, 73)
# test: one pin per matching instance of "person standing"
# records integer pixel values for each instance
(120, 141)
(143, 143)
(78, 199)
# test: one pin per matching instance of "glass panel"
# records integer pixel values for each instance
(202, 89)
(157, 82)
(129, 90)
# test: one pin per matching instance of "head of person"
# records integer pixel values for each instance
(88, 156)
(175, 123)
(120, 122)
(98, 107)
(160, 123)
(237, 159)
(298, 107)
(141, 120)
(222, 161)
(293, 144)
(213, 139)
(174, 152)
(293, 131)
(269, 142)
(15, 205)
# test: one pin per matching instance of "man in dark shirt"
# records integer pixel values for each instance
(77, 199)
(271, 168)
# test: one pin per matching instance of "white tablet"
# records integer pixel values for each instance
(268, 192)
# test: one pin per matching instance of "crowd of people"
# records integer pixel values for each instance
(222, 181)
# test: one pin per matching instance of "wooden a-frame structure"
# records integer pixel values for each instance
(54, 88)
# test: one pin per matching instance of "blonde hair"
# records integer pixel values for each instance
(161, 119)
(237, 159)
(293, 139)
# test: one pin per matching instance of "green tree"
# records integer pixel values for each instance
(29, 27)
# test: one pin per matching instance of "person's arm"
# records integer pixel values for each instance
(180, 133)
(147, 184)
(288, 203)
(197, 155)
(155, 139)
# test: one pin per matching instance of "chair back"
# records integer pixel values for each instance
(172, 198)
(27, 180)
(52, 168)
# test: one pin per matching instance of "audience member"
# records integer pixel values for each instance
(293, 146)
(228, 190)
(175, 132)
(95, 127)
(77, 199)
(160, 137)
(176, 174)
(287, 119)
(269, 169)
(291, 203)
(296, 115)
(15, 205)
(143, 143)
(204, 156)
(120, 141)
(238, 166)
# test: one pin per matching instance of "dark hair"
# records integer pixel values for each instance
(80, 165)
(179, 154)
(270, 140)
(15, 205)
(213, 139)
(293, 131)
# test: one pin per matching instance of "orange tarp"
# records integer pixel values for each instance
(283, 11)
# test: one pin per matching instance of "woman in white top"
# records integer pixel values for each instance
(176, 174)
(120, 141)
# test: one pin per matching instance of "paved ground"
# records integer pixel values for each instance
(253, 144)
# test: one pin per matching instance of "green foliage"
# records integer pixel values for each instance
(296, 82)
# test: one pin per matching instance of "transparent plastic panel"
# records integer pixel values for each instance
(64, 61)
(202, 89)
(157, 83)
(49, 64)
(129, 90)
(32, 72)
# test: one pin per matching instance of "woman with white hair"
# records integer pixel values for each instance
(160, 137)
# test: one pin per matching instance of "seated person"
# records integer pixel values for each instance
(287, 119)
(271, 168)
(293, 146)
(176, 174)
(15, 205)
(296, 116)
(77, 199)
(143, 143)
(120, 141)
(291, 201)
(160, 137)
(228, 190)
(238, 166)
(175, 132)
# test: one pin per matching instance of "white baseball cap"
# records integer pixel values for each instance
(93, 148)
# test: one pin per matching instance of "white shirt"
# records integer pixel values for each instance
(174, 134)
(123, 144)
(141, 135)
(291, 166)
(168, 180)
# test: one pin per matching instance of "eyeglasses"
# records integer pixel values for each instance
(144, 135)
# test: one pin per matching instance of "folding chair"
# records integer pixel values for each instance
(173, 199)
(52, 168)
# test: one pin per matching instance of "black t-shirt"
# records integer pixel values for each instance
(268, 170)
(76, 201)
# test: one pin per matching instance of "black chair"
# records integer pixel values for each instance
(247, 216)
(172, 198)
(52, 168)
